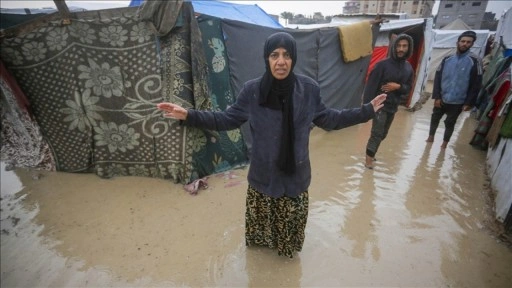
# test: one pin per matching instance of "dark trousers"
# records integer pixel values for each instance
(380, 127)
(452, 112)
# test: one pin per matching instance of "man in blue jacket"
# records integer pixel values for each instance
(393, 76)
(456, 85)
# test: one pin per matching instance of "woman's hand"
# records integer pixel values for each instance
(378, 102)
(173, 110)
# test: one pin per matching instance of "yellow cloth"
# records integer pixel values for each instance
(356, 40)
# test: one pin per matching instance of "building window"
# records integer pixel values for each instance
(463, 4)
(415, 2)
(476, 4)
(448, 6)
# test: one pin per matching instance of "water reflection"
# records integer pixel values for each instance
(427, 173)
(266, 269)
(361, 222)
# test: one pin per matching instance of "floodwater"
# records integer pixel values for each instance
(421, 218)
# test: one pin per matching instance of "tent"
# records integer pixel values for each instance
(91, 87)
(228, 49)
(225, 10)
(178, 153)
(457, 24)
(503, 33)
(499, 156)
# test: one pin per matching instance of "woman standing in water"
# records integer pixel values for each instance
(280, 107)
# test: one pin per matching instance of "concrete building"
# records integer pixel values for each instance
(351, 7)
(413, 8)
(471, 12)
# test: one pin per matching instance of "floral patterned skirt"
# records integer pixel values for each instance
(276, 222)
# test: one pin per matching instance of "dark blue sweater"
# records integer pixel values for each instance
(265, 127)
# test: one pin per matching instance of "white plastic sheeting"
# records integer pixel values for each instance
(504, 29)
(499, 169)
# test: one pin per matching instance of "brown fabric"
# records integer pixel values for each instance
(356, 40)
(277, 223)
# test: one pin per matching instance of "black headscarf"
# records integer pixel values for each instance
(278, 95)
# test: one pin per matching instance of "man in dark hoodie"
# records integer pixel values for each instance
(393, 76)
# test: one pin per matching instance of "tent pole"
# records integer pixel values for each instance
(63, 10)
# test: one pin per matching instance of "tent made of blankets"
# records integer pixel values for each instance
(91, 89)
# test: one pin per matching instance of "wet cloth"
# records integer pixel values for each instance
(506, 128)
(356, 40)
(277, 223)
(195, 185)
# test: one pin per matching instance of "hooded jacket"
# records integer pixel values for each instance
(391, 69)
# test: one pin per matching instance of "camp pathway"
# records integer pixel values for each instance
(422, 217)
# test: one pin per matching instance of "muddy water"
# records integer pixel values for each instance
(420, 218)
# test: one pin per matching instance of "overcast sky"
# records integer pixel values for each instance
(307, 8)
(329, 8)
